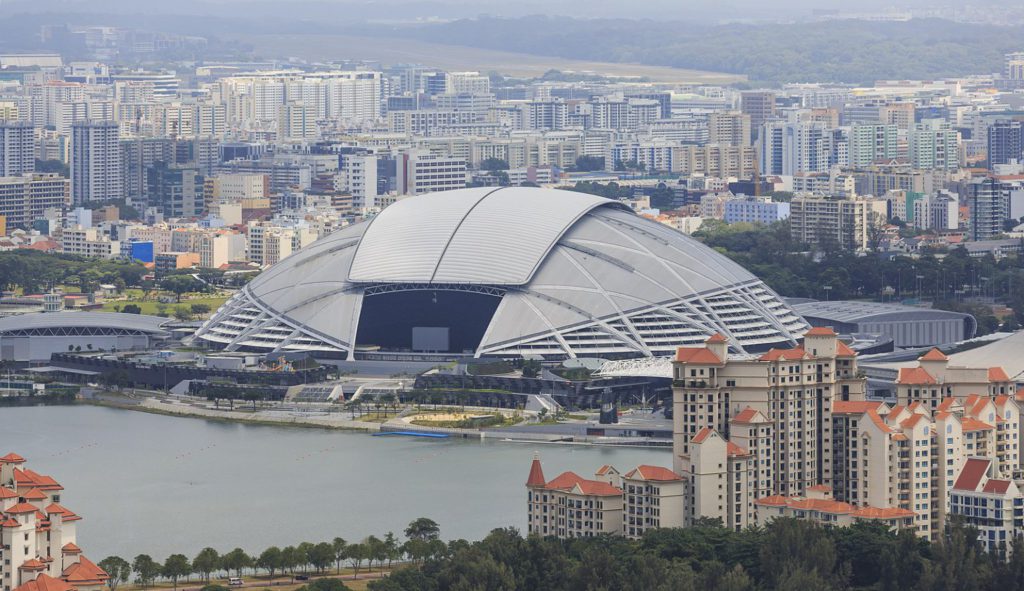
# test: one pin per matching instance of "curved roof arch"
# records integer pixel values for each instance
(578, 275)
(482, 235)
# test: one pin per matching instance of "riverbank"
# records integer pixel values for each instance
(259, 417)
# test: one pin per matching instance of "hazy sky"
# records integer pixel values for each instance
(358, 10)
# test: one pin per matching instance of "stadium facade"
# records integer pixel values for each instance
(503, 272)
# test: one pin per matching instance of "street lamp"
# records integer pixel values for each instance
(828, 290)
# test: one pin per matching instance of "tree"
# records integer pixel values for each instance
(531, 368)
(270, 560)
(180, 284)
(131, 309)
(236, 560)
(207, 561)
(290, 559)
(493, 164)
(303, 551)
(340, 547)
(175, 567)
(589, 163)
(356, 554)
(146, 569)
(375, 550)
(182, 314)
(118, 569)
(423, 528)
(392, 551)
(200, 309)
(325, 585)
(321, 556)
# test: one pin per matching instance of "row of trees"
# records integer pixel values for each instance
(35, 271)
(788, 555)
(421, 543)
(952, 281)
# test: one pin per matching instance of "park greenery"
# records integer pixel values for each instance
(951, 280)
(785, 555)
(35, 272)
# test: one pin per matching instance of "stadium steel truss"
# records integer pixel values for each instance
(573, 275)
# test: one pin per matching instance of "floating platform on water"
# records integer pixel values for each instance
(413, 434)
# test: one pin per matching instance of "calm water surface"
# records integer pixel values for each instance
(159, 485)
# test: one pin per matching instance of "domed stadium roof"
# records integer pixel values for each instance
(507, 272)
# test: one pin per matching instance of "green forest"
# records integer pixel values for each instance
(848, 51)
(788, 555)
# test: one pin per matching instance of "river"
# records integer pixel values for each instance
(153, 484)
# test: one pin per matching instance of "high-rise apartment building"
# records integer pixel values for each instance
(96, 165)
(870, 142)
(1005, 142)
(759, 105)
(988, 207)
(843, 223)
(933, 145)
(17, 148)
(24, 199)
(729, 128)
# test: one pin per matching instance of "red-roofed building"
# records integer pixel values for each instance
(595, 506)
(43, 531)
(990, 503)
(653, 497)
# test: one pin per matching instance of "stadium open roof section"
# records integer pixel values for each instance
(504, 272)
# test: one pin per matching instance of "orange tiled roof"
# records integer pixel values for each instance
(84, 572)
(820, 331)
(877, 420)
(21, 508)
(934, 355)
(657, 473)
(10, 522)
(854, 407)
(997, 374)
(568, 481)
(702, 435)
(914, 375)
(882, 513)
(35, 495)
(971, 474)
(820, 488)
(773, 501)
(536, 477)
(71, 548)
(700, 355)
(45, 582)
(32, 564)
(822, 505)
(843, 350)
(786, 354)
(6, 493)
(911, 422)
(973, 424)
(746, 415)
(996, 486)
(732, 449)
(717, 338)
(12, 458)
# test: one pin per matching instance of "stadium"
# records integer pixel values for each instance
(509, 272)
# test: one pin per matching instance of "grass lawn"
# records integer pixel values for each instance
(152, 305)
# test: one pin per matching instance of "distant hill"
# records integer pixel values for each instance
(837, 51)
